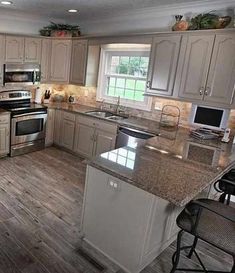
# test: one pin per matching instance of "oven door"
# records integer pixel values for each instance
(28, 127)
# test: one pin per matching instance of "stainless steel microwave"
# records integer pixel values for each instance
(21, 74)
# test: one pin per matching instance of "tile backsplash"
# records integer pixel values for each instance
(87, 96)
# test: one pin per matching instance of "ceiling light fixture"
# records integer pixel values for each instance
(72, 10)
(6, 3)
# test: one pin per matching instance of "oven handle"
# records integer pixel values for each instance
(29, 114)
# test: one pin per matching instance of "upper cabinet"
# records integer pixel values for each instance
(208, 68)
(196, 58)
(45, 60)
(221, 78)
(22, 50)
(33, 50)
(163, 64)
(60, 60)
(14, 49)
(78, 61)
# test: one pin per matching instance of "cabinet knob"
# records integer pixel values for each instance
(201, 91)
(207, 91)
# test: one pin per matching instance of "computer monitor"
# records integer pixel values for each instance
(209, 117)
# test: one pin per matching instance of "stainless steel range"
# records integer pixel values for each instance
(28, 121)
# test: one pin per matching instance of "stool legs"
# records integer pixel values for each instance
(176, 256)
(192, 248)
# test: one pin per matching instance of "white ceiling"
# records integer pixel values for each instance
(56, 10)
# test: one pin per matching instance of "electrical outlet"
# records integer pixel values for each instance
(158, 105)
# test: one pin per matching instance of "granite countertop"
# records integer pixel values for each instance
(147, 125)
(175, 168)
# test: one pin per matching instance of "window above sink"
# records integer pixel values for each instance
(123, 73)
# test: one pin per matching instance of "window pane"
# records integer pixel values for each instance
(129, 94)
(120, 83)
(130, 84)
(124, 60)
(119, 92)
(139, 96)
(115, 60)
(112, 81)
(144, 62)
(111, 91)
(140, 85)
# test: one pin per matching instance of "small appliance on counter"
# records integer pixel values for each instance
(28, 121)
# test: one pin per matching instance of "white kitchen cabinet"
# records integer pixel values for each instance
(78, 61)
(127, 224)
(163, 64)
(60, 60)
(45, 60)
(57, 127)
(50, 127)
(84, 139)
(14, 50)
(196, 63)
(32, 49)
(67, 130)
(221, 78)
(94, 136)
(4, 134)
(104, 142)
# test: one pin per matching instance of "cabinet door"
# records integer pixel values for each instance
(84, 139)
(57, 128)
(221, 78)
(60, 61)
(4, 137)
(14, 49)
(195, 66)
(33, 48)
(163, 64)
(104, 142)
(50, 127)
(2, 55)
(78, 62)
(67, 134)
(45, 60)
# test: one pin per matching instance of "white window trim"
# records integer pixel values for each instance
(100, 96)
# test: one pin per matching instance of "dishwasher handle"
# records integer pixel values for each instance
(135, 133)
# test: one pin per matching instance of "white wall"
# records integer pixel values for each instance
(154, 19)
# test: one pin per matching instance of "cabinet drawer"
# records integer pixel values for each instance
(69, 116)
(99, 124)
(4, 119)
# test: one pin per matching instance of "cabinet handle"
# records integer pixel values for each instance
(148, 83)
(201, 91)
(207, 91)
(93, 137)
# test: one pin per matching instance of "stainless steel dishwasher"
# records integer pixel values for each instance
(131, 137)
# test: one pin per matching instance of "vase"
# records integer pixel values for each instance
(180, 25)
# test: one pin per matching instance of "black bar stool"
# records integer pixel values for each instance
(226, 186)
(210, 221)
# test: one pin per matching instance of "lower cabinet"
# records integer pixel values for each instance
(84, 139)
(4, 134)
(83, 135)
(127, 224)
(104, 142)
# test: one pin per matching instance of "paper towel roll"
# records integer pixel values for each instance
(38, 95)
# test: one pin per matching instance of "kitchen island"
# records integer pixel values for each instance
(134, 194)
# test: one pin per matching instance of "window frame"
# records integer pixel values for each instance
(105, 57)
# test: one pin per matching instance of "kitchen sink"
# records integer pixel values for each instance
(101, 114)
(106, 115)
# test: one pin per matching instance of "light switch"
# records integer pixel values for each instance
(113, 184)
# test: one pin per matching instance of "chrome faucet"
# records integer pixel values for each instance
(117, 105)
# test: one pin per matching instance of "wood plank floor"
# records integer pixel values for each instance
(40, 210)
